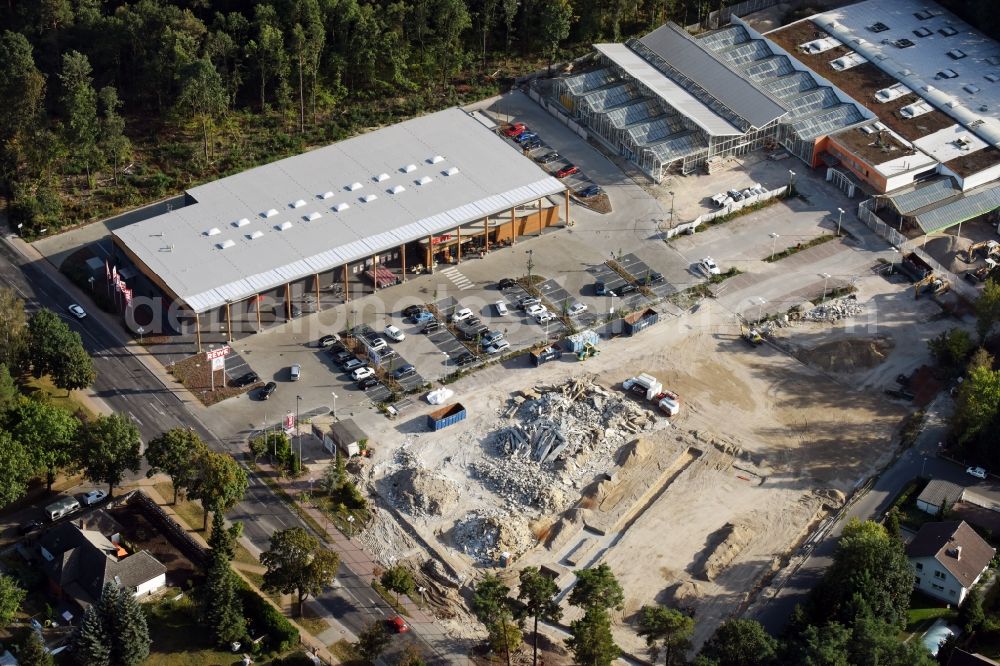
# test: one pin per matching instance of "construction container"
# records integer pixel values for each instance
(446, 416)
(637, 321)
(578, 341)
(540, 356)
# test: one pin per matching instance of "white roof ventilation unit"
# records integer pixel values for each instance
(355, 186)
(326, 195)
(436, 159)
(214, 231)
(382, 177)
(368, 198)
(270, 212)
(229, 242)
(424, 180)
(242, 222)
(315, 215)
(284, 226)
(409, 168)
(992, 77)
(255, 235)
(397, 189)
(342, 206)
(298, 203)
(451, 171)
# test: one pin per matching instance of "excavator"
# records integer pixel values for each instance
(931, 283)
(992, 247)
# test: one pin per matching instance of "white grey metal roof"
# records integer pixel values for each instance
(487, 177)
(667, 89)
(965, 208)
(926, 195)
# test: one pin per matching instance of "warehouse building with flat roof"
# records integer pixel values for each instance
(303, 233)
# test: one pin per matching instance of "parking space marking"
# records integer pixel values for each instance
(639, 269)
(458, 279)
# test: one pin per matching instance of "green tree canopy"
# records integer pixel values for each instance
(111, 446)
(398, 579)
(740, 643)
(297, 562)
(12, 596)
(15, 469)
(597, 588)
(491, 604)
(57, 351)
(591, 640)
(33, 652)
(176, 453)
(667, 631)
(47, 432)
(203, 96)
(220, 483)
(78, 103)
(537, 592)
(987, 308)
(977, 406)
(373, 641)
(8, 390)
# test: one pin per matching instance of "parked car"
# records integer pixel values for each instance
(431, 326)
(398, 624)
(526, 302)
(461, 314)
(342, 357)
(94, 497)
(410, 310)
(246, 379)
(465, 358)
(490, 337)
(268, 390)
(352, 364)
(362, 372)
(709, 267)
(29, 527)
(526, 135)
(977, 472)
(393, 333)
(535, 309)
(531, 144)
(295, 372)
(498, 347)
(404, 372)
(329, 340)
(548, 158)
(377, 343)
(627, 288)
(652, 278)
(567, 170)
(367, 383)
(589, 191)
(77, 311)
(422, 317)
(544, 317)
(576, 309)
(601, 289)
(506, 283)
(501, 307)
(515, 129)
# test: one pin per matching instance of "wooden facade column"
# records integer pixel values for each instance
(347, 294)
(317, 292)
(229, 322)
(402, 254)
(256, 301)
(197, 329)
(568, 224)
(513, 227)
(458, 245)
(486, 231)
(374, 273)
(430, 255)
(539, 205)
(288, 301)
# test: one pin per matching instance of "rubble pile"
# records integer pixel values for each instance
(560, 438)
(420, 492)
(487, 536)
(842, 308)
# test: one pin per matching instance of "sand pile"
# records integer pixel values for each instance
(736, 537)
(847, 355)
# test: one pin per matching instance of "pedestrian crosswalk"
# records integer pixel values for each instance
(458, 279)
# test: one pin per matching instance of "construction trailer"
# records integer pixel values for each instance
(446, 416)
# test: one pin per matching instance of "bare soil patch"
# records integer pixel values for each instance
(195, 374)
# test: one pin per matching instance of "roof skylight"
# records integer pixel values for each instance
(229, 242)
(298, 203)
(355, 186)
(397, 189)
(326, 195)
(214, 231)
(255, 235)
(342, 206)
(368, 198)
(409, 168)
(381, 177)
(284, 226)
(450, 171)
(424, 180)
(242, 222)
(315, 215)
(436, 159)
(270, 212)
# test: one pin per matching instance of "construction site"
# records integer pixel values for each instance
(562, 468)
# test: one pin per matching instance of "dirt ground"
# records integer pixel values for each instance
(765, 445)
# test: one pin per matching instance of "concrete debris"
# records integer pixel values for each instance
(419, 491)
(842, 308)
(490, 536)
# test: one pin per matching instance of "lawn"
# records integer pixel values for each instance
(312, 624)
(179, 639)
(923, 611)
(188, 511)
(57, 397)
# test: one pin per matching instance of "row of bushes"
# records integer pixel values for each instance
(267, 621)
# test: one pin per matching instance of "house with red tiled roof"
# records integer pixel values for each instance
(949, 558)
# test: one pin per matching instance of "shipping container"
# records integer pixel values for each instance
(578, 341)
(540, 356)
(637, 321)
(446, 416)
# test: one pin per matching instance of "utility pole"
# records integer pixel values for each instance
(531, 264)
(840, 219)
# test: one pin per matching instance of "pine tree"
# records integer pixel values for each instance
(222, 610)
(91, 640)
(131, 639)
(33, 652)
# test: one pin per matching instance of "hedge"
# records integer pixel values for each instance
(265, 620)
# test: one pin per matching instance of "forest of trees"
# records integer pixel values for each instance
(110, 104)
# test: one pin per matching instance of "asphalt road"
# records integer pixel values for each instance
(129, 388)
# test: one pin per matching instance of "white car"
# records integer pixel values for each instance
(543, 317)
(94, 497)
(977, 472)
(393, 333)
(709, 266)
(362, 373)
(497, 347)
(461, 315)
(536, 309)
(501, 307)
(577, 309)
(77, 311)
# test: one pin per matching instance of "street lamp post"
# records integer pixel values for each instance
(840, 219)
(140, 331)
(298, 433)
(91, 281)
(350, 526)
(825, 276)
(760, 307)
(334, 395)
(531, 264)
(671, 210)
(791, 181)
(774, 241)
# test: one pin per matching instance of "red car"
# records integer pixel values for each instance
(515, 130)
(398, 624)
(567, 170)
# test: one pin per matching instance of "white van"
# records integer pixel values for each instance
(62, 507)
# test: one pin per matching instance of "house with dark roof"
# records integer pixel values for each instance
(962, 658)
(949, 559)
(79, 557)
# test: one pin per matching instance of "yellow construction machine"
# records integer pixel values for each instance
(992, 247)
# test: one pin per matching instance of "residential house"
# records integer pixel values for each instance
(938, 492)
(962, 658)
(79, 557)
(948, 558)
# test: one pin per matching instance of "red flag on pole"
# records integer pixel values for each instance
(114, 273)
(107, 269)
